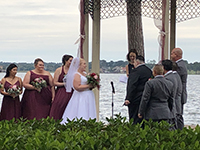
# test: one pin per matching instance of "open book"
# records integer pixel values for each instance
(123, 78)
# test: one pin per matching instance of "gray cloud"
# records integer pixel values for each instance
(48, 29)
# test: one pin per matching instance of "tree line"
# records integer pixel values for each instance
(108, 67)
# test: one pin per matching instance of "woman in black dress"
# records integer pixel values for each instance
(131, 56)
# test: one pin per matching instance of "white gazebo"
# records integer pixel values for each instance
(169, 12)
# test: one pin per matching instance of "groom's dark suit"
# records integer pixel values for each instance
(136, 81)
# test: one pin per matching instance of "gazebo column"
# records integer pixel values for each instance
(166, 20)
(86, 41)
(173, 25)
(96, 49)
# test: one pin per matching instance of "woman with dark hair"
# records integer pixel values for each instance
(61, 97)
(131, 56)
(36, 101)
(11, 107)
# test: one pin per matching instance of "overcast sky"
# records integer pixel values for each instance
(48, 29)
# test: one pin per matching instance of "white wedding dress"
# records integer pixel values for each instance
(81, 104)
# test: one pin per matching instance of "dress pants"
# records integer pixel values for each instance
(179, 119)
(133, 113)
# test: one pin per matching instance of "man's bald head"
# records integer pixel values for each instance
(176, 54)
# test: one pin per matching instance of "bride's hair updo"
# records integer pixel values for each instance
(81, 60)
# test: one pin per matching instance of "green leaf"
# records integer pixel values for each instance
(182, 145)
(197, 144)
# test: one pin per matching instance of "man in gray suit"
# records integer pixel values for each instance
(177, 88)
(157, 99)
(176, 56)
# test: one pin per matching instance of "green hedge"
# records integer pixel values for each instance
(116, 134)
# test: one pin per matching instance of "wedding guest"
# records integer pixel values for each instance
(131, 56)
(82, 102)
(172, 76)
(176, 56)
(135, 87)
(178, 95)
(61, 97)
(36, 102)
(11, 107)
(157, 99)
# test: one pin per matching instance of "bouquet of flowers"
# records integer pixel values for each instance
(14, 90)
(1, 85)
(39, 83)
(93, 79)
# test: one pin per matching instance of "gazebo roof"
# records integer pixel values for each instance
(186, 9)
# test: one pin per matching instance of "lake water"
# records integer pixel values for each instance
(191, 108)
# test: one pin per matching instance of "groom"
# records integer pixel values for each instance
(135, 86)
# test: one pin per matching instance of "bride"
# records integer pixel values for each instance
(82, 102)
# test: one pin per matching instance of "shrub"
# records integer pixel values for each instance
(80, 134)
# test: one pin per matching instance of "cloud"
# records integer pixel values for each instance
(48, 29)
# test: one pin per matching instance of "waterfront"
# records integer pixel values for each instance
(191, 113)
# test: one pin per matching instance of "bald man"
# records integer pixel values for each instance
(176, 56)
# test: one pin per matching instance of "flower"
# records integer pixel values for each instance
(14, 87)
(96, 77)
(1, 85)
(93, 79)
(151, 78)
(39, 83)
(14, 90)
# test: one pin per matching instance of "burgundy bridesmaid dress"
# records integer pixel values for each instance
(37, 104)
(61, 99)
(11, 107)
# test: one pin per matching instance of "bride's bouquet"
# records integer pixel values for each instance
(14, 90)
(93, 79)
(39, 83)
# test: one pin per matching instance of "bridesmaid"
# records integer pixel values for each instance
(36, 103)
(62, 97)
(11, 107)
(131, 56)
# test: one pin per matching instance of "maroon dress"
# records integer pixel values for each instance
(11, 107)
(37, 104)
(61, 99)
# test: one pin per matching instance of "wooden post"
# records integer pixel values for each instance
(86, 42)
(166, 47)
(96, 49)
(173, 26)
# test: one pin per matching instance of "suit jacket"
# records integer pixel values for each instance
(178, 94)
(136, 81)
(172, 77)
(182, 71)
(157, 99)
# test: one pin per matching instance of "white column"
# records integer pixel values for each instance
(96, 50)
(166, 47)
